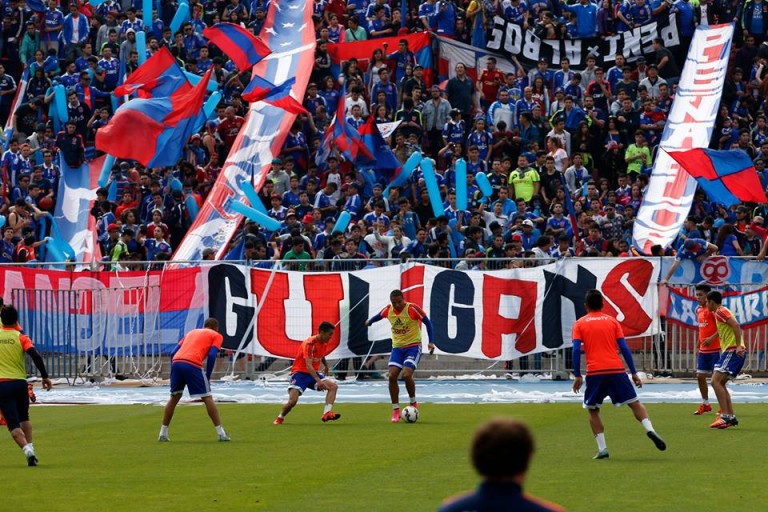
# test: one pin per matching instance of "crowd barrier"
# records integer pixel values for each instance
(508, 322)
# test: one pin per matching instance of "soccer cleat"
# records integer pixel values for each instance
(395, 415)
(330, 416)
(278, 421)
(602, 454)
(702, 409)
(415, 404)
(732, 421)
(31, 460)
(658, 441)
(163, 439)
(224, 438)
(719, 423)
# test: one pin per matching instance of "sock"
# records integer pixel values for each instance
(600, 438)
(31, 447)
(327, 408)
(413, 399)
(164, 430)
(281, 416)
(647, 425)
(28, 450)
(395, 406)
(220, 430)
(705, 402)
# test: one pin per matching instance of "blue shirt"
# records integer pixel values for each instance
(586, 18)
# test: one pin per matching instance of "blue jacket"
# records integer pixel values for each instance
(68, 30)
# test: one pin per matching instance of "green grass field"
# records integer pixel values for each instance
(106, 458)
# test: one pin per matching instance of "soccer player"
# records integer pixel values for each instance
(305, 374)
(600, 334)
(14, 394)
(731, 360)
(187, 371)
(406, 320)
(709, 346)
(501, 452)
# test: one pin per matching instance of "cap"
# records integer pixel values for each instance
(479, 254)
(291, 213)
(308, 219)
(208, 252)
(125, 165)
(275, 196)
(559, 90)
(494, 225)
(195, 136)
(113, 227)
(311, 85)
(742, 208)
(516, 238)
(330, 220)
(127, 231)
(277, 161)
(130, 31)
(544, 60)
(378, 186)
(40, 127)
(176, 193)
(528, 222)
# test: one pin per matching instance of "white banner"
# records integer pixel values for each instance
(691, 121)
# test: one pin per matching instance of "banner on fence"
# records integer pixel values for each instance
(719, 271)
(490, 315)
(749, 309)
(510, 38)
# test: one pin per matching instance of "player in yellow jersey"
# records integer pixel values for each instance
(14, 394)
(731, 360)
(406, 320)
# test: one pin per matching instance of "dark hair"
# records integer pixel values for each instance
(395, 293)
(703, 288)
(715, 297)
(502, 447)
(594, 300)
(8, 315)
(211, 323)
(326, 326)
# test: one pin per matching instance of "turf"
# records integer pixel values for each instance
(98, 458)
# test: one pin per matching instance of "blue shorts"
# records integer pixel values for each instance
(301, 381)
(706, 361)
(185, 374)
(14, 402)
(403, 357)
(617, 386)
(730, 363)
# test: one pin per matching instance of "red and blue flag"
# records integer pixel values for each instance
(569, 208)
(160, 76)
(381, 155)
(345, 136)
(153, 131)
(238, 44)
(728, 177)
(260, 89)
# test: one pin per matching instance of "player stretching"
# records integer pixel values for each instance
(731, 360)
(14, 394)
(305, 373)
(600, 334)
(709, 346)
(187, 370)
(406, 319)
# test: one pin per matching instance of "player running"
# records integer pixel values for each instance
(601, 334)
(305, 373)
(187, 371)
(709, 346)
(406, 319)
(731, 360)
(14, 393)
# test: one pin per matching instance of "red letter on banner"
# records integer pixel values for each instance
(412, 285)
(638, 273)
(324, 293)
(495, 324)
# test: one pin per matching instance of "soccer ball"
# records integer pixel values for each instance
(410, 414)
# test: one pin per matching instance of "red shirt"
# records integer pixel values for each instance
(598, 333)
(707, 327)
(228, 129)
(196, 345)
(490, 82)
(310, 349)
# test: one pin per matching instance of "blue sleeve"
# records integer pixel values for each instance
(375, 318)
(577, 358)
(627, 354)
(428, 324)
(211, 361)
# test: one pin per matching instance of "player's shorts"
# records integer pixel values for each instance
(14, 402)
(617, 386)
(189, 375)
(730, 363)
(301, 381)
(706, 361)
(405, 357)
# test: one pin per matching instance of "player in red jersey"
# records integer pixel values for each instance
(305, 373)
(601, 334)
(187, 371)
(709, 346)
(229, 128)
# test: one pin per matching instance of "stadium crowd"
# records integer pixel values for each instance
(539, 134)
